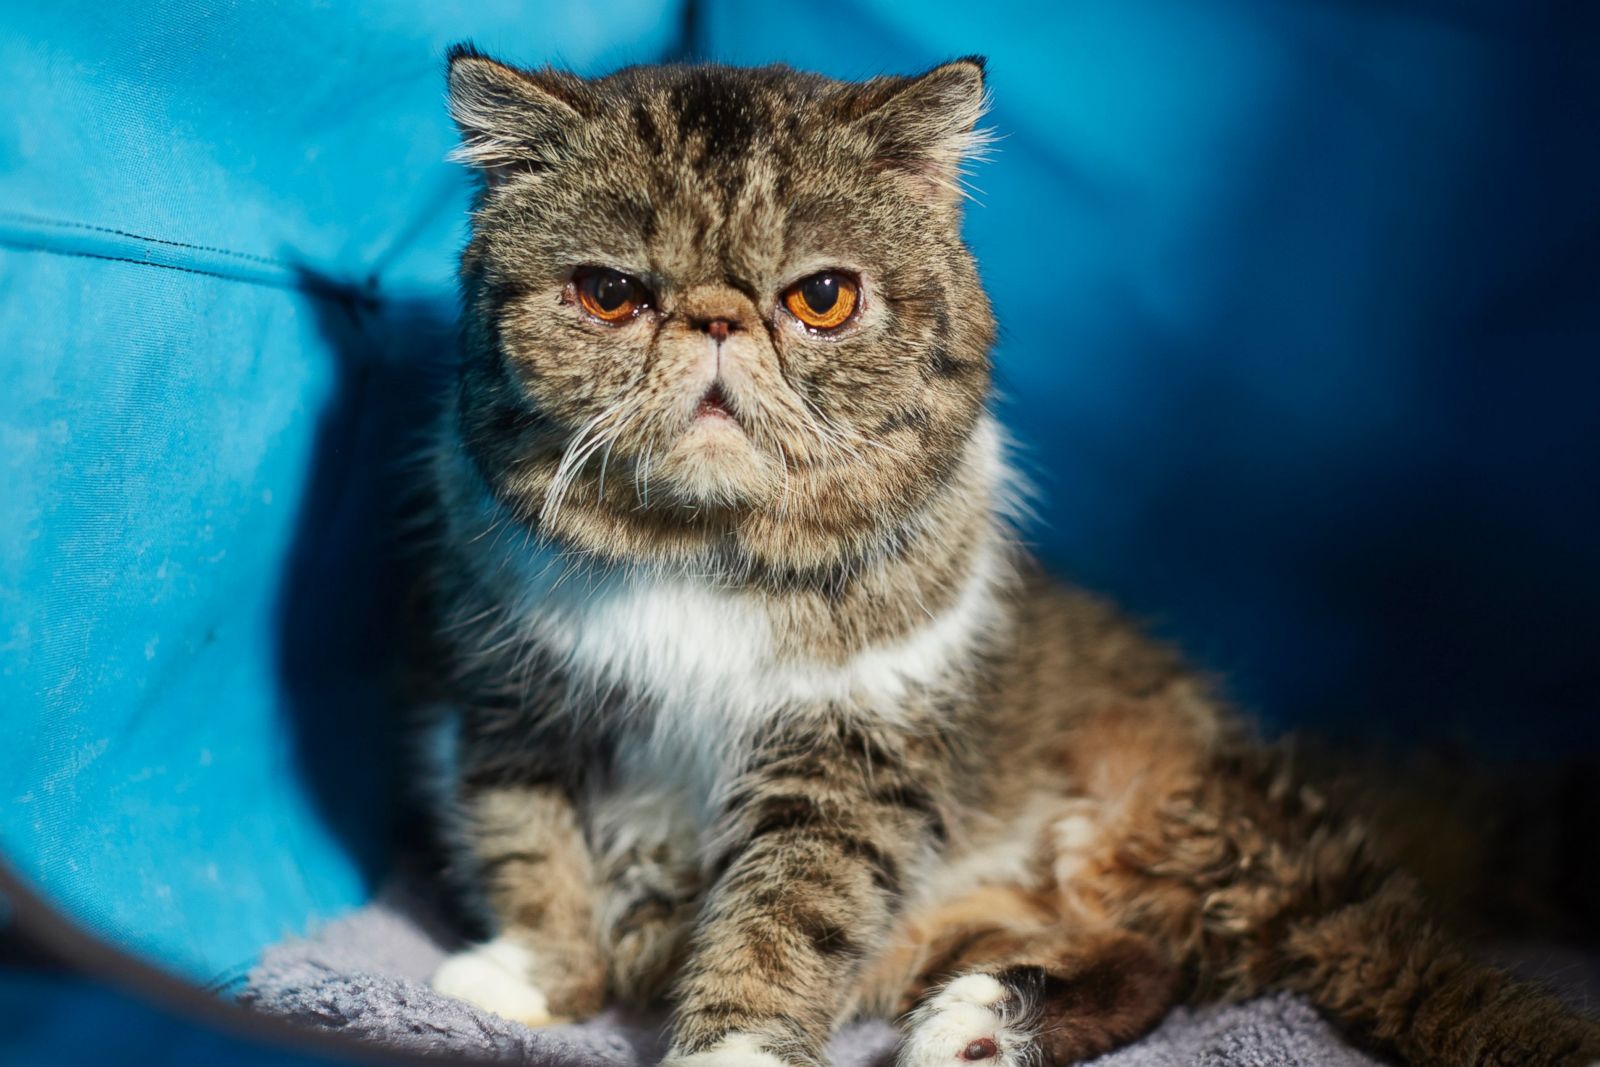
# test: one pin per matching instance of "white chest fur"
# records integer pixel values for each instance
(702, 663)
(697, 648)
(694, 648)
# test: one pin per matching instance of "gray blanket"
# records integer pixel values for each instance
(366, 975)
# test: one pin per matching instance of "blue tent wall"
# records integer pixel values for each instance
(1299, 337)
(226, 245)
(1299, 331)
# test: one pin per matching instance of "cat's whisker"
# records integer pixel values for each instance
(641, 476)
(861, 439)
(594, 435)
(783, 467)
(558, 481)
(828, 438)
(462, 622)
(605, 459)
(493, 527)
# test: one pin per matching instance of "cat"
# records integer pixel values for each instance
(758, 705)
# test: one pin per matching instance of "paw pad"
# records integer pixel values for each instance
(983, 1048)
(968, 1021)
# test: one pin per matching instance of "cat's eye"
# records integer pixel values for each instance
(610, 295)
(824, 301)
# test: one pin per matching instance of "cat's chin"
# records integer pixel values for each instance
(716, 464)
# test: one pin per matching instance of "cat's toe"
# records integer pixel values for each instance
(494, 976)
(965, 1022)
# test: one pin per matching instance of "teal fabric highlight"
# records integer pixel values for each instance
(227, 240)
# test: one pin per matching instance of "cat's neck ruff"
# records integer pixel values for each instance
(680, 641)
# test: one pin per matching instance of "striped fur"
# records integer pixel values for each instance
(768, 714)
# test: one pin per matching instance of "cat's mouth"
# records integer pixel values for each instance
(713, 405)
(714, 460)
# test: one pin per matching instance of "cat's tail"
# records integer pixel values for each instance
(1324, 904)
(1382, 969)
(1259, 883)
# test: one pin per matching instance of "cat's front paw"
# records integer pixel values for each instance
(971, 1020)
(736, 1050)
(495, 976)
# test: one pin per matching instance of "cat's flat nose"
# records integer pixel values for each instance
(718, 311)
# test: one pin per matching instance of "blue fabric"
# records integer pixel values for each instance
(226, 244)
(1299, 335)
(1299, 329)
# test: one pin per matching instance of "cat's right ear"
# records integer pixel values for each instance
(926, 127)
(511, 120)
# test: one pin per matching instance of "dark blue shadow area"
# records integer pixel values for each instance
(349, 578)
(1300, 334)
(1361, 477)
(52, 1020)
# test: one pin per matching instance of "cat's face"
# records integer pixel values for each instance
(714, 310)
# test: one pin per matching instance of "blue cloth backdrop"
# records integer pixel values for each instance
(1300, 322)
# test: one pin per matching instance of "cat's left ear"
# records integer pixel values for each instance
(511, 120)
(927, 126)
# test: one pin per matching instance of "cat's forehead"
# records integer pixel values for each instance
(706, 172)
(716, 116)
(720, 151)
(690, 174)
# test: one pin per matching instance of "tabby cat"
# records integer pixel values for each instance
(759, 705)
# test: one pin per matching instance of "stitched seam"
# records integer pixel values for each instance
(38, 220)
(340, 294)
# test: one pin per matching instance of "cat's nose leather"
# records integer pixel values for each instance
(716, 311)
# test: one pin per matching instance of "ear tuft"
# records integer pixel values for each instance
(927, 126)
(463, 50)
(510, 119)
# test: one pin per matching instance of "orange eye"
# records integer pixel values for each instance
(610, 295)
(823, 301)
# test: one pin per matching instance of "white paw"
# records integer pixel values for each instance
(964, 1022)
(737, 1050)
(494, 977)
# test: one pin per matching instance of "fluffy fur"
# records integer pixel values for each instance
(765, 711)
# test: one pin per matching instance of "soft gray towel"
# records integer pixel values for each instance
(366, 975)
